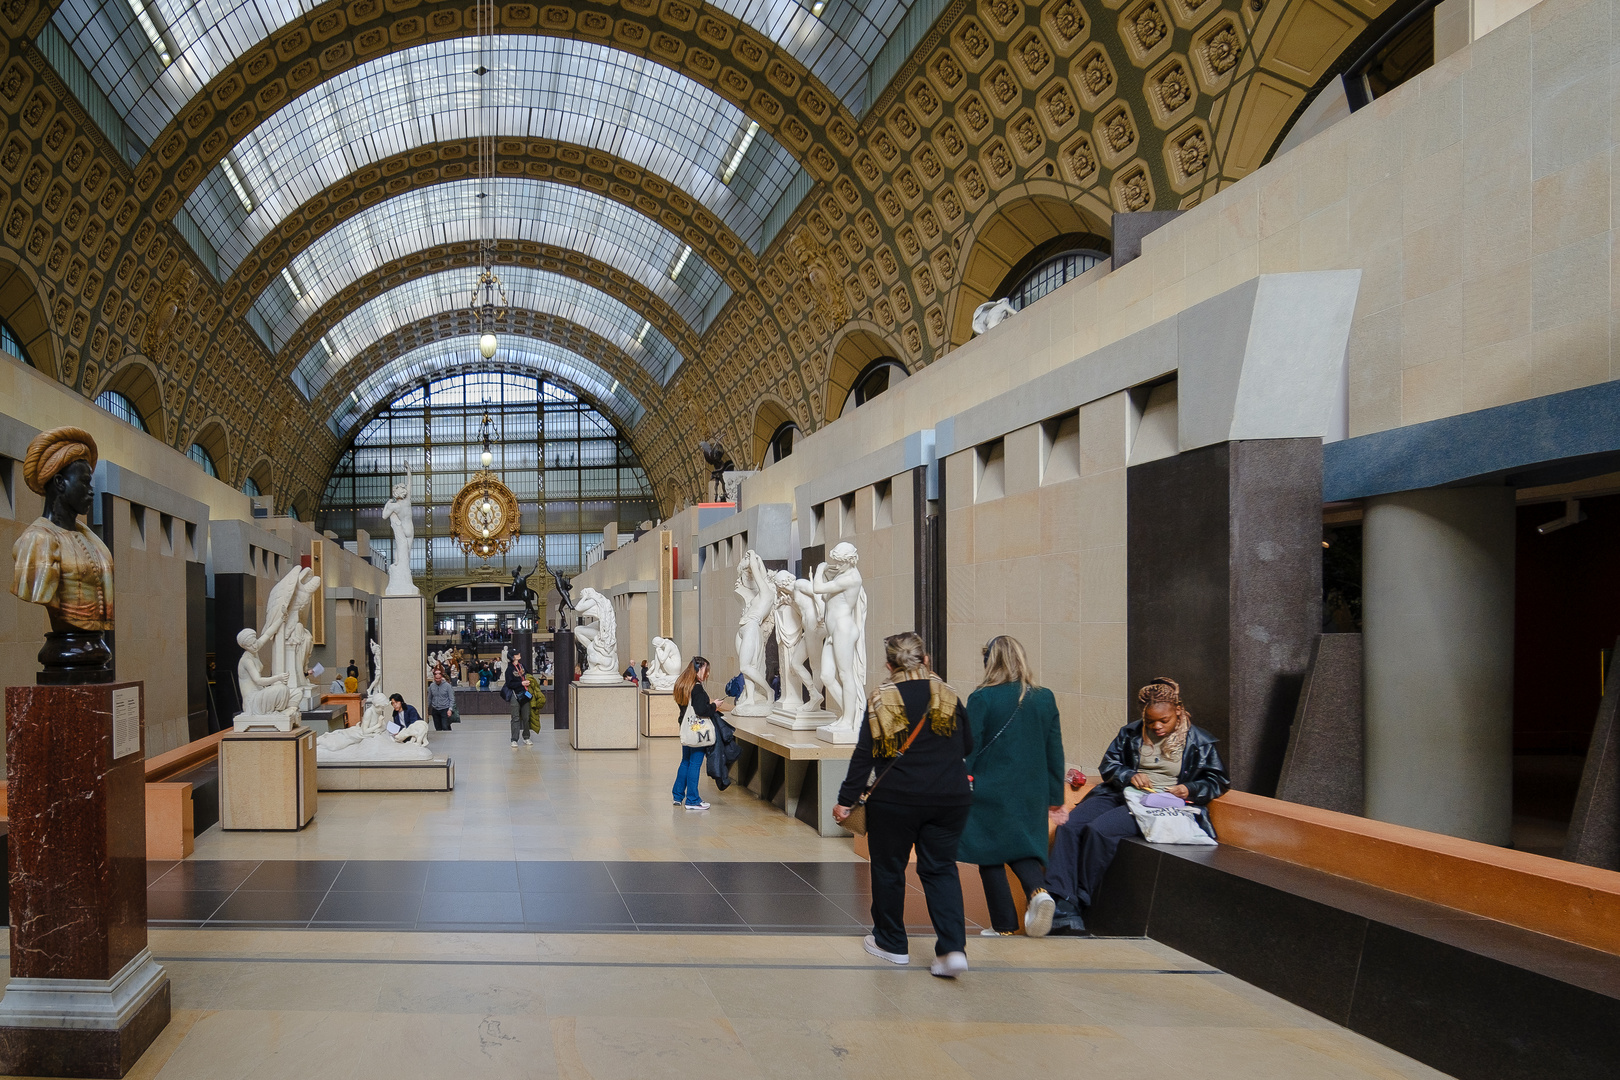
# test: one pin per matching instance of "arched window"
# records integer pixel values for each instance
(250, 488)
(875, 378)
(1050, 273)
(782, 442)
(11, 343)
(201, 457)
(121, 407)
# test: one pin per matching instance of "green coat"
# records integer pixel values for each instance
(1015, 779)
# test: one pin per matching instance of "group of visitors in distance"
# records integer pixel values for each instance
(979, 782)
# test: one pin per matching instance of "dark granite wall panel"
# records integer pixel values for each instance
(562, 676)
(197, 650)
(236, 600)
(1326, 755)
(1594, 829)
(1224, 579)
(1177, 581)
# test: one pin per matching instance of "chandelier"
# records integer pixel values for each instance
(488, 285)
(484, 518)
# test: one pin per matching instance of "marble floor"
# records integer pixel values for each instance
(405, 999)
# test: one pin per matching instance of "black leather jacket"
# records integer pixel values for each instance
(1201, 768)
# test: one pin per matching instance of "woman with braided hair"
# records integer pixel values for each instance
(1164, 752)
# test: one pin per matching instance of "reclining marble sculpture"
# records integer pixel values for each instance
(666, 665)
(61, 564)
(600, 640)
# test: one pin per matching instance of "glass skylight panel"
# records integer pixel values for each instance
(519, 209)
(528, 353)
(541, 88)
(449, 291)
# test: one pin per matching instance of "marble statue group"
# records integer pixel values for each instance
(820, 627)
(600, 638)
(275, 698)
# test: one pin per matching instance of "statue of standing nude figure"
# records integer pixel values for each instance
(839, 582)
(798, 625)
(758, 592)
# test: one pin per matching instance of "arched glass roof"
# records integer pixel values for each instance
(526, 289)
(551, 88)
(151, 66)
(517, 353)
(519, 209)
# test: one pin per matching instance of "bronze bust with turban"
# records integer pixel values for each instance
(60, 563)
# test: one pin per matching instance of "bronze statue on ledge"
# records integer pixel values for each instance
(62, 564)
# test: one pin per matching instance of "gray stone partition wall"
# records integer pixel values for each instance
(1224, 569)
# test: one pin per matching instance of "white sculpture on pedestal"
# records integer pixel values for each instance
(275, 699)
(397, 512)
(500, 665)
(601, 641)
(266, 699)
(375, 688)
(758, 592)
(369, 740)
(986, 317)
(794, 617)
(666, 665)
(839, 582)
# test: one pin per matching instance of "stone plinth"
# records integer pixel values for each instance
(402, 636)
(660, 716)
(800, 719)
(267, 780)
(603, 717)
(85, 996)
(838, 736)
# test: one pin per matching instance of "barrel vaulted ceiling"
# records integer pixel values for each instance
(271, 212)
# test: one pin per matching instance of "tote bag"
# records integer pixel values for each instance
(1167, 824)
(696, 730)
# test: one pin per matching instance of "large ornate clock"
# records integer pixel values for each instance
(484, 517)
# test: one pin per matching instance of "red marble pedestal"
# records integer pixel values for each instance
(85, 996)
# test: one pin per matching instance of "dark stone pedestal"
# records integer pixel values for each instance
(1327, 746)
(523, 645)
(85, 996)
(563, 682)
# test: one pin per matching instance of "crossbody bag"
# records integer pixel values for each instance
(856, 822)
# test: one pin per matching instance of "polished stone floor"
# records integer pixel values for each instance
(352, 972)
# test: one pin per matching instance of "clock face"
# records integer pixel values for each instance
(484, 516)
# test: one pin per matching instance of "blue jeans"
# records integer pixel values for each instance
(688, 775)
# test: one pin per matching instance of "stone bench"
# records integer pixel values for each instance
(793, 770)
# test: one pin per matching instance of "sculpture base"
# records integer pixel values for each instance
(837, 736)
(660, 716)
(752, 708)
(278, 721)
(801, 719)
(402, 641)
(74, 658)
(601, 678)
(603, 717)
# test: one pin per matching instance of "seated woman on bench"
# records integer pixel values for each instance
(1163, 751)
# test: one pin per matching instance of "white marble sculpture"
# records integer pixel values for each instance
(297, 639)
(275, 699)
(376, 668)
(839, 581)
(369, 740)
(601, 640)
(817, 646)
(266, 699)
(758, 592)
(666, 665)
(792, 653)
(500, 665)
(988, 316)
(397, 512)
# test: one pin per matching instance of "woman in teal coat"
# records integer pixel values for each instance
(1017, 770)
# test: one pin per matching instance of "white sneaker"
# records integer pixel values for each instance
(949, 966)
(696, 805)
(997, 933)
(528, 742)
(1038, 915)
(514, 744)
(898, 958)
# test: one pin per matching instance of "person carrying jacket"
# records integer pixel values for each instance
(1163, 751)
(516, 692)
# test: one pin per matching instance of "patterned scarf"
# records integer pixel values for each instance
(887, 712)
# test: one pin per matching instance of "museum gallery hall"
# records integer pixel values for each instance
(785, 539)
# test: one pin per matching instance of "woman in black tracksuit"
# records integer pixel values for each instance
(922, 801)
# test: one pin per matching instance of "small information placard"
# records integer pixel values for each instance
(126, 720)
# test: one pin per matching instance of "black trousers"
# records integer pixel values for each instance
(998, 896)
(441, 719)
(892, 830)
(1085, 846)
